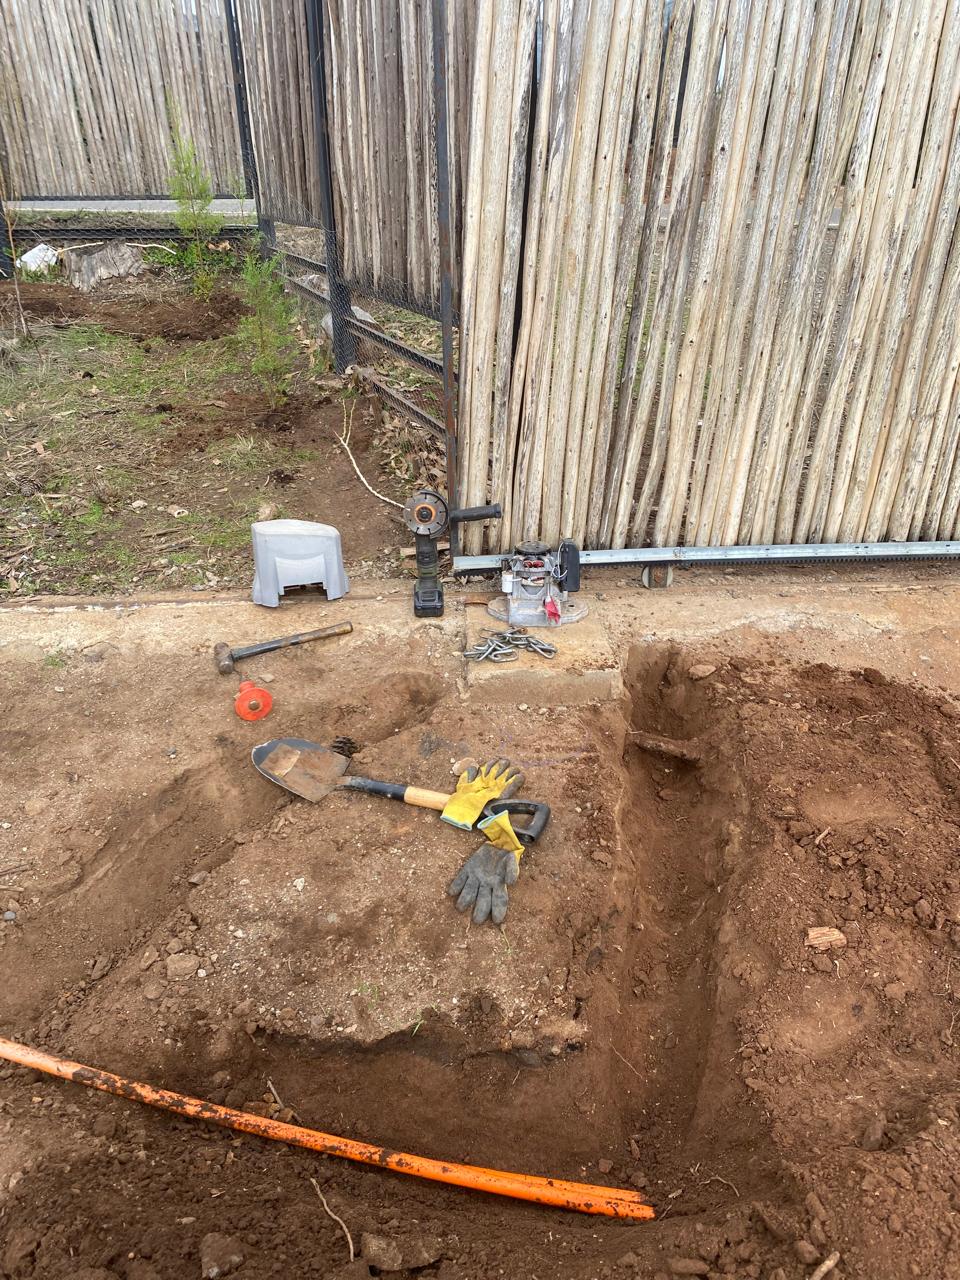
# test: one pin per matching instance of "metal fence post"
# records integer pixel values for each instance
(247, 154)
(247, 157)
(446, 255)
(344, 342)
(6, 248)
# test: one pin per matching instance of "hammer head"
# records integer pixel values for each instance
(223, 657)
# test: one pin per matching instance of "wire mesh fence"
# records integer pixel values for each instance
(354, 204)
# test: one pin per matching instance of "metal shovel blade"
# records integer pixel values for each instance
(305, 768)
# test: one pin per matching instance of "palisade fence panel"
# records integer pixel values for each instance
(280, 105)
(380, 82)
(90, 91)
(379, 77)
(724, 315)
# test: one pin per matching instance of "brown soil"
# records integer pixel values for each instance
(180, 317)
(316, 481)
(650, 1016)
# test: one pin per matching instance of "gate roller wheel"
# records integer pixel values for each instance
(656, 575)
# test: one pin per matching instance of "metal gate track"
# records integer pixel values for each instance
(782, 553)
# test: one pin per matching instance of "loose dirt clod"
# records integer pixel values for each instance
(381, 1252)
(219, 1255)
(826, 938)
(873, 1134)
(688, 1267)
(805, 1251)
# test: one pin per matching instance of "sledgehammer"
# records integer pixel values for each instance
(226, 658)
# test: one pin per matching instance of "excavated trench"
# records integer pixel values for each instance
(649, 1070)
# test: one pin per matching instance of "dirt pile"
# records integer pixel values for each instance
(177, 317)
(651, 1016)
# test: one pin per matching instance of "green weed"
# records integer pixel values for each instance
(83, 337)
(92, 517)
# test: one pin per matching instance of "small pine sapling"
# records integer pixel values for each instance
(268, 330)
(193, 191)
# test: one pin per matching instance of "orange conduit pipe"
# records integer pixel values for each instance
(613, 1202)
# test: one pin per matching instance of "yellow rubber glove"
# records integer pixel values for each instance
(500, 833)
(476, 787)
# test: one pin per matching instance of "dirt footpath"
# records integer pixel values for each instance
(650, 1015)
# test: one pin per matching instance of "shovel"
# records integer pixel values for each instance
(312, 772)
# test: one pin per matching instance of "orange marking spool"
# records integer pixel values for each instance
(252, 702)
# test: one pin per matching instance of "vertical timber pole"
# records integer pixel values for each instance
(446, 255)
(344, 342)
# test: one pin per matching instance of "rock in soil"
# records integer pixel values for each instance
(184, 964)
(21, 1245)
(104, 1126)
(688, 1267)
(873, 1134)
(381, 1252)
(219, 1255)
(423, 1251)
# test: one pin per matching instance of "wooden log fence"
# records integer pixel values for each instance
(719, 317)
(90, 91)
(380, 55)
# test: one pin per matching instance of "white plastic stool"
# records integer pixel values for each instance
(296, 553)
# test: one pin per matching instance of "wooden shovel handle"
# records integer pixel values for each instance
(424, 799)
(417, 796)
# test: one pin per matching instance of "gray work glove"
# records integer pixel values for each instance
(482, 883)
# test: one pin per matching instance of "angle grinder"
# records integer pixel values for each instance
(428, 517)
